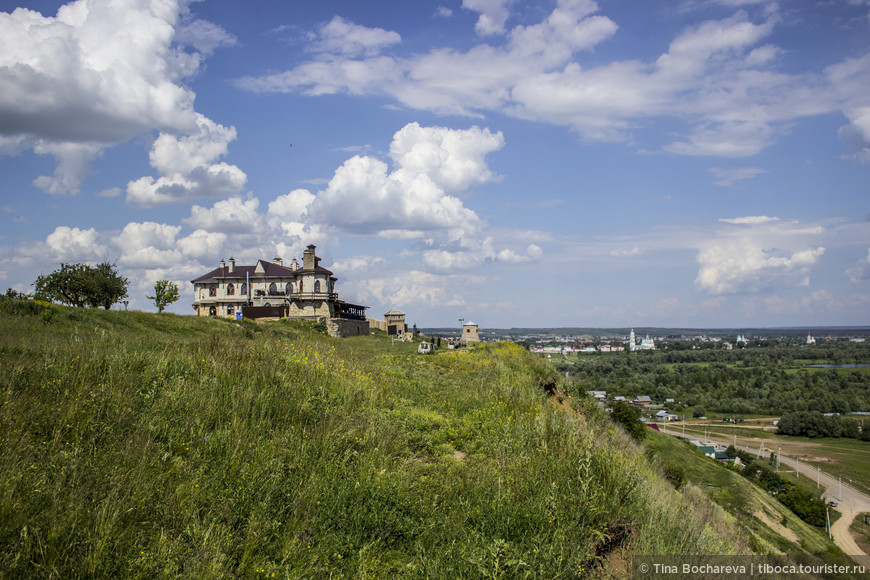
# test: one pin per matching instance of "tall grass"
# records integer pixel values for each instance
(135, 445)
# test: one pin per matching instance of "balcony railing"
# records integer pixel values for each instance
(313, 296)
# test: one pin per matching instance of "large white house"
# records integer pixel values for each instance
(292, 292)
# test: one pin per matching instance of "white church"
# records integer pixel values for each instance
(646, 343)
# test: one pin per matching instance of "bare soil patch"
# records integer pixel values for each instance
(777, 526)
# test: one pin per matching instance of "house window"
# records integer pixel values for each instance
(212, 311)
(212, 291)
(273, 289)
(317, 286)
(230, 310)
(289, 288)
(244, 288)
(231, 289)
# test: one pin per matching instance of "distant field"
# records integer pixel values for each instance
(811, 369)
(847, 458)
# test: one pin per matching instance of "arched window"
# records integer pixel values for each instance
(244, 289)
(273, 289)
(289, 288)
(231, 289)
(212, 311)
(230, 310)
(301, 285)
(317, 286)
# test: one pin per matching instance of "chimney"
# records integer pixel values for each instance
(223, 264)
(294, 265)
(232, 264)
(309, 260)
(279, 260)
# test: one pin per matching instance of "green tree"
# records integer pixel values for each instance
(165, 293)
(67, 285)
(629, 417)
(82, 285)
(107, 286)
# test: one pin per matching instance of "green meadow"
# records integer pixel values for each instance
(140, 445)
(840, 457)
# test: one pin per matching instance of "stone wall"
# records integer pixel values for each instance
(386, 325)
(309, 309)
(345, 327)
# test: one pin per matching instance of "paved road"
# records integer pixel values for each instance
(850, 501)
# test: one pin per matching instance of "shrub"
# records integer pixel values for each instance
(676, 475)
(24, 307)
(629, 417)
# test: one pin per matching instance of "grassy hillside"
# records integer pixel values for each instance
(142, 445)
(770, 527)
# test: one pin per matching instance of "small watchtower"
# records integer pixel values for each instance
(470, 332)
(395, 322)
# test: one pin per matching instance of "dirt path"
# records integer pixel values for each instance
(843, 537)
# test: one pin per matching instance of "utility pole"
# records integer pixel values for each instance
(818, 476)
(828, 521)
(840, 491)
(798, 468)
(778, 452)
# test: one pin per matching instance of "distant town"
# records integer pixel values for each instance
(607, 340)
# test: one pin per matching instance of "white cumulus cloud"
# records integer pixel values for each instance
(97, 73)
(722, 79)
(365, 197)
(233, 215)
(758, 254)
(70, 244)
(148, 244)
(533, 253)
(861, 270)
(188, 167)
(339, 36)
(493, 15)
(415, 288)
(753, 219)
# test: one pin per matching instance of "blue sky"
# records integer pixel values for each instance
(566, 163)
